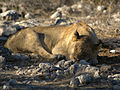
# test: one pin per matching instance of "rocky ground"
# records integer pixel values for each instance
(31, 72)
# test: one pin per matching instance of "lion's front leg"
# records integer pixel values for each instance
(59, 52)
(41, 51)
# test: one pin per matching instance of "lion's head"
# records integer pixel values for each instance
(85, 44)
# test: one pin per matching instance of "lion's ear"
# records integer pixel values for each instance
(75, 36)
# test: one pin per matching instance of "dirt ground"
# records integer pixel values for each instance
(109, 40)
(107, 30)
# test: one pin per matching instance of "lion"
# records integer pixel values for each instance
(75, 42)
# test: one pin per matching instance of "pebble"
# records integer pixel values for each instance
(3, 38)
(19, 56)
(16, 67)
(29, 16)
(116, 87)
(75, 82)
(2, 61)
(59, 73)
(115, 51)
(84, 62)
(12, 82)
(73, 68)
(68, 63)
(85, 79)
(112, 51)
(105, 67)
(60, 64)
(6, 87)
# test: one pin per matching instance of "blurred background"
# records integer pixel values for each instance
(102, 15)
(68, 7)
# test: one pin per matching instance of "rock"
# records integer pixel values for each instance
(6, 87)
(93, 70)
(5, 8)
(65, 10)
(105, 12)
(96, 74)
(67, 72)
(57, 14)
(5, 52)
(116, 16)
(77, 7)
(45, 66)
(16, 67)
(100, 8)
(18, 56)
(12, 82)
(75, 82)
(2, 61)
(112, 51)
(115, 79)
(59, 73)
(3, 38)
(114, 76)
(85, 79)
(104, 68)
(68, 63)
(8, 27)
(93, 61)
(116, 87)
(64, 64)
(60, 64)
(61, 22)
(22, 14)
(29, 23)
(115, 51)
(8, 30)
(29, 16)
(73, 68)
(10, 15)
(1, 31)
(43, 70)
(84, 62)
(19, 72)
(54, 76)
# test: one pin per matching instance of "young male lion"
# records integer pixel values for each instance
(77, 41)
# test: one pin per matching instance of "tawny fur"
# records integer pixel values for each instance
(76, 41)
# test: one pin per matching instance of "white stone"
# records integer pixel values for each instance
(84, 79)
(57, 14)
(1, 31)
(29, 16)
(6, 87)
(45, 65)
(2, 61)
(112, 51)
(100, 8)
(11, 14)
